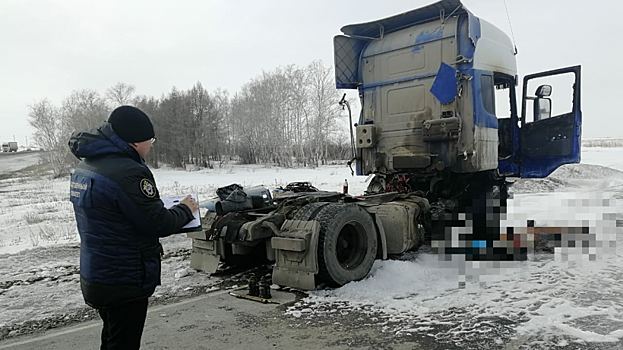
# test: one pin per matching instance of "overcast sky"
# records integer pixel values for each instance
(50, 48)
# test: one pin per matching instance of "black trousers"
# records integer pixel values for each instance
(123, 325)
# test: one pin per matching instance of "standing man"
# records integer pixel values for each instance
(120, 219)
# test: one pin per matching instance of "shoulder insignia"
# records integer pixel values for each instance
(148, 188)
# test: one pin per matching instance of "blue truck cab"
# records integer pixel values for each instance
(432, 83)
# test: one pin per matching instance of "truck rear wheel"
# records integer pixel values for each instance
(347, 243)
(309, 211)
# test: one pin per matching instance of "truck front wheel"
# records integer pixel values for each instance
(347, 243)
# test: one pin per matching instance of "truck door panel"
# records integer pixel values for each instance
(547, 142)
(551, 137)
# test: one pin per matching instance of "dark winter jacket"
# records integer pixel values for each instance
(120, 218)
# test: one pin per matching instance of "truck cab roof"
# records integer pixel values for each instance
(488, 47)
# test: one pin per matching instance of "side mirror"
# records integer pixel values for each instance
(542, 107)
(543, 91)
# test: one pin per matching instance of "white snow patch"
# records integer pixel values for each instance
(540, 296)
(184, 273)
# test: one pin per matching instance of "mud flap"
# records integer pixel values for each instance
(205, 255)
(296, 254)
(382, 239)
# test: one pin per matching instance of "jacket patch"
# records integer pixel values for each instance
(80, 191)
(148, 188)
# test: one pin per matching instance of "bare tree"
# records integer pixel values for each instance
(120, 94)
(324, 109)
(299, 122)
(289, 113)
(44, 118)
(173, 122)
(220, 132)
(285, 116)
(83, 110)
(151, 105)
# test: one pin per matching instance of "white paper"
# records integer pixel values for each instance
(171, 201)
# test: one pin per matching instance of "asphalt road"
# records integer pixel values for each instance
(13, 161)
(217, 320)
(220, 321)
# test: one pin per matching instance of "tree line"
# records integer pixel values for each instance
(604, 142)
(288, 116)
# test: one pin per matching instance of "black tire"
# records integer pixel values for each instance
(347, 243)
(309, 211)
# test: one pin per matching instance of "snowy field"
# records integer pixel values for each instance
(559, 300)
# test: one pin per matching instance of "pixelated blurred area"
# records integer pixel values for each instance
(575, 227)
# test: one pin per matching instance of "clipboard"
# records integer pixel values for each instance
(195, 224)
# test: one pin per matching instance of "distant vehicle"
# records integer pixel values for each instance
(9, 147)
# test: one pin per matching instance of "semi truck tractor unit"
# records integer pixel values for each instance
(443, 126)
(9, 146)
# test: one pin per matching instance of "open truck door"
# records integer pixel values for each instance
(551, 122)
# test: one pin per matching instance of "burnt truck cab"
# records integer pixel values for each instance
(428, 81)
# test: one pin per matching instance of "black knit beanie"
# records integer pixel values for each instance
(131, 124)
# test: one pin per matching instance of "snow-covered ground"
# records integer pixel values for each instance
(36, 212)
(548, 300)
(39, 255)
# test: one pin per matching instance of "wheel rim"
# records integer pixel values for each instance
(351, 245)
